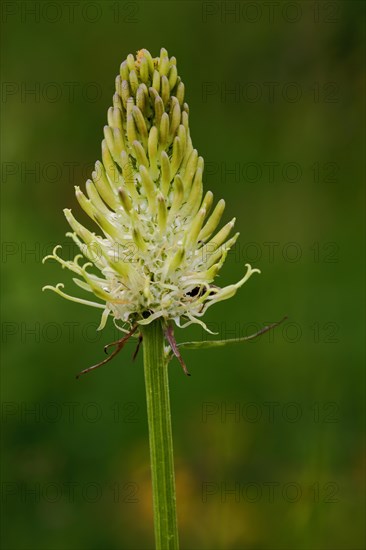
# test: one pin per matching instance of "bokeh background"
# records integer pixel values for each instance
(267, 434)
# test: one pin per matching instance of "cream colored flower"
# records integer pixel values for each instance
(155, 249)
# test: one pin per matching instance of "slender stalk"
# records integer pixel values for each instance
(160, 437)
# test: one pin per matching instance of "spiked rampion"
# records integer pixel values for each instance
(156, 251)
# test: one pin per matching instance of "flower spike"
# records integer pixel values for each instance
(153, 240)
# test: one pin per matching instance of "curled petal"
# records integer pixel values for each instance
(194, 320)
(151, 318)
(104, 318)
(72, 298)
(229, 291)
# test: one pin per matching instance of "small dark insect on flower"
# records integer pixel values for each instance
(199, 291)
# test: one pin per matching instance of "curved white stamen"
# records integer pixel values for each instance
(71, 298)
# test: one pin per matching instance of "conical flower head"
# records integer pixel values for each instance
(155, 249)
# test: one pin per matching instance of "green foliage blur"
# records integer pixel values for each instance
(267, 434)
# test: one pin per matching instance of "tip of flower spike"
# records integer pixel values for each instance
(143, 53)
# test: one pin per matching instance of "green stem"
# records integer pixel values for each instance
(160, 437)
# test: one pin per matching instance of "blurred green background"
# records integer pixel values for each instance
(268, 434)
